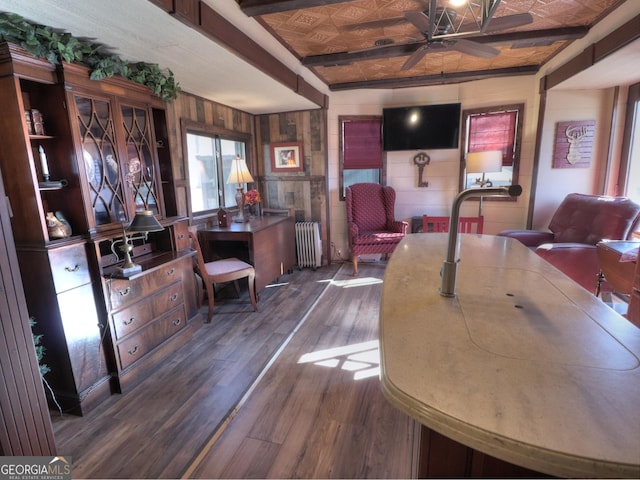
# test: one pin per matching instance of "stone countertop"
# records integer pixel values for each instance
(522, 364)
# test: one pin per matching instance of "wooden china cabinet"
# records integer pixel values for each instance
(92, 153)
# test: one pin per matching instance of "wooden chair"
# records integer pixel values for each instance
(441, 224)
(222, 271)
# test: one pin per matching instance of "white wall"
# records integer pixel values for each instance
(443, 171)
(553, 184)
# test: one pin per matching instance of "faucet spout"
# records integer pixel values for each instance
(449, 267)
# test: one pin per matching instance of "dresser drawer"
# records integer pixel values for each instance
(69, 267)
(167, 299)
(131, 318)
(137, 315)
(138, 345)
(124, 292)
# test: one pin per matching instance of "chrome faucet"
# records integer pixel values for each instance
(448, 272)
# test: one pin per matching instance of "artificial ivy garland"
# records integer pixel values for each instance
(57, 46)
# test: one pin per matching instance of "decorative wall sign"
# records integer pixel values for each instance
(574, 144)
(421, 159)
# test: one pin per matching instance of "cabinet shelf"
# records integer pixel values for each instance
(41, 137)
(52, 185)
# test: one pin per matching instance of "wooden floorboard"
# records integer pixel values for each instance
(310, 416)
(189, 420)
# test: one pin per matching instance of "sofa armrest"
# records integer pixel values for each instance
(530, 238)
(577, 260)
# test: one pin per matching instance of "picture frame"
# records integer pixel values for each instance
(287, 157)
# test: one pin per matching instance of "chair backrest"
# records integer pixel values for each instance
(435, 224)
(370, 206)
(588, 219)
(441, 224)
(195, 244)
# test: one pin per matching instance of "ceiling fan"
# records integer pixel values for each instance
(444, 26)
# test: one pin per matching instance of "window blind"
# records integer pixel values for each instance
(362, 144)
(494, 131)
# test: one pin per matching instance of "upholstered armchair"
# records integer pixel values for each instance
(371, 226)
(579, 223)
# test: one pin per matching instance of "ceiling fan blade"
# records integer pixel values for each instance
(508, 21)
(419, 20)
(415, 58)
(473, 48)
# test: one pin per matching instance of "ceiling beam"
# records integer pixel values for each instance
(253, 8)
(440, 79)
(516, 39)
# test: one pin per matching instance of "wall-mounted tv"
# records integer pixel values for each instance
(421, 127)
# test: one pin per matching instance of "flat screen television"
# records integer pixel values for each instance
(421, 127)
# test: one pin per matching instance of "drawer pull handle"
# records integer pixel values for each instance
(72, 269)
(133, 351)
(171, 272)
(130, 321)
(181, 236)
(177, 321)
(125, 292)
(173, 297)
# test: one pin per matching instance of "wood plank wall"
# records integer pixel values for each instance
(305, 193)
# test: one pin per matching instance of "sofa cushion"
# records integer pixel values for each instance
(588, 219)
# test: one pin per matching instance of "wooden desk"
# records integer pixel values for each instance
(616, 273)
(523, 364)
(267, 243)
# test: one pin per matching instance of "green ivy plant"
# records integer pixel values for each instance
(58, 46)
(44, 368)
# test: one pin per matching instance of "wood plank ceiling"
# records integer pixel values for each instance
(365, 43)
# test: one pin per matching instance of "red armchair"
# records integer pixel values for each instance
(578, 224)
(371, 226)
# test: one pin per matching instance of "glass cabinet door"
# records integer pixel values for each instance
(140, 170)
(99, 152)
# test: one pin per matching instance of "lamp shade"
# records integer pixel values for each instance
(144, 221)
(484, 162)
(239, 172)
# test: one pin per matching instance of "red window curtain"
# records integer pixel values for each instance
(493, 131)
(362, 144)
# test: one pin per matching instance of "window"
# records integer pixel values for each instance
(492, 128)
(210, 153)
(360, 151)
(629, 177)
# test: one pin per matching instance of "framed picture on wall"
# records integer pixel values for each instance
(287, 157)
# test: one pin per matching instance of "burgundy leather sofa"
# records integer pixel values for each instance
(579, 223)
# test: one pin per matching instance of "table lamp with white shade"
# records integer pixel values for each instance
(488, 161)
(239, 175)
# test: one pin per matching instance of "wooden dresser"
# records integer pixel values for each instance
(93, 153)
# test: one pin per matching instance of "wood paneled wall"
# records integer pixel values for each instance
(304, 193)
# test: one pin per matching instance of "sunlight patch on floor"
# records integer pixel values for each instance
(361, 358)
(356, 282)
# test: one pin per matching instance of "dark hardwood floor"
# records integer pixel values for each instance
(288, 392)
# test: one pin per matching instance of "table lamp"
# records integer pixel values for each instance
(488, 161)
(239, 174)
(143, 222)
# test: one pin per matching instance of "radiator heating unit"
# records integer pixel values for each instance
(309, 244)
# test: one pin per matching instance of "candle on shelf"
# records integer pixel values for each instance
(43, 161)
